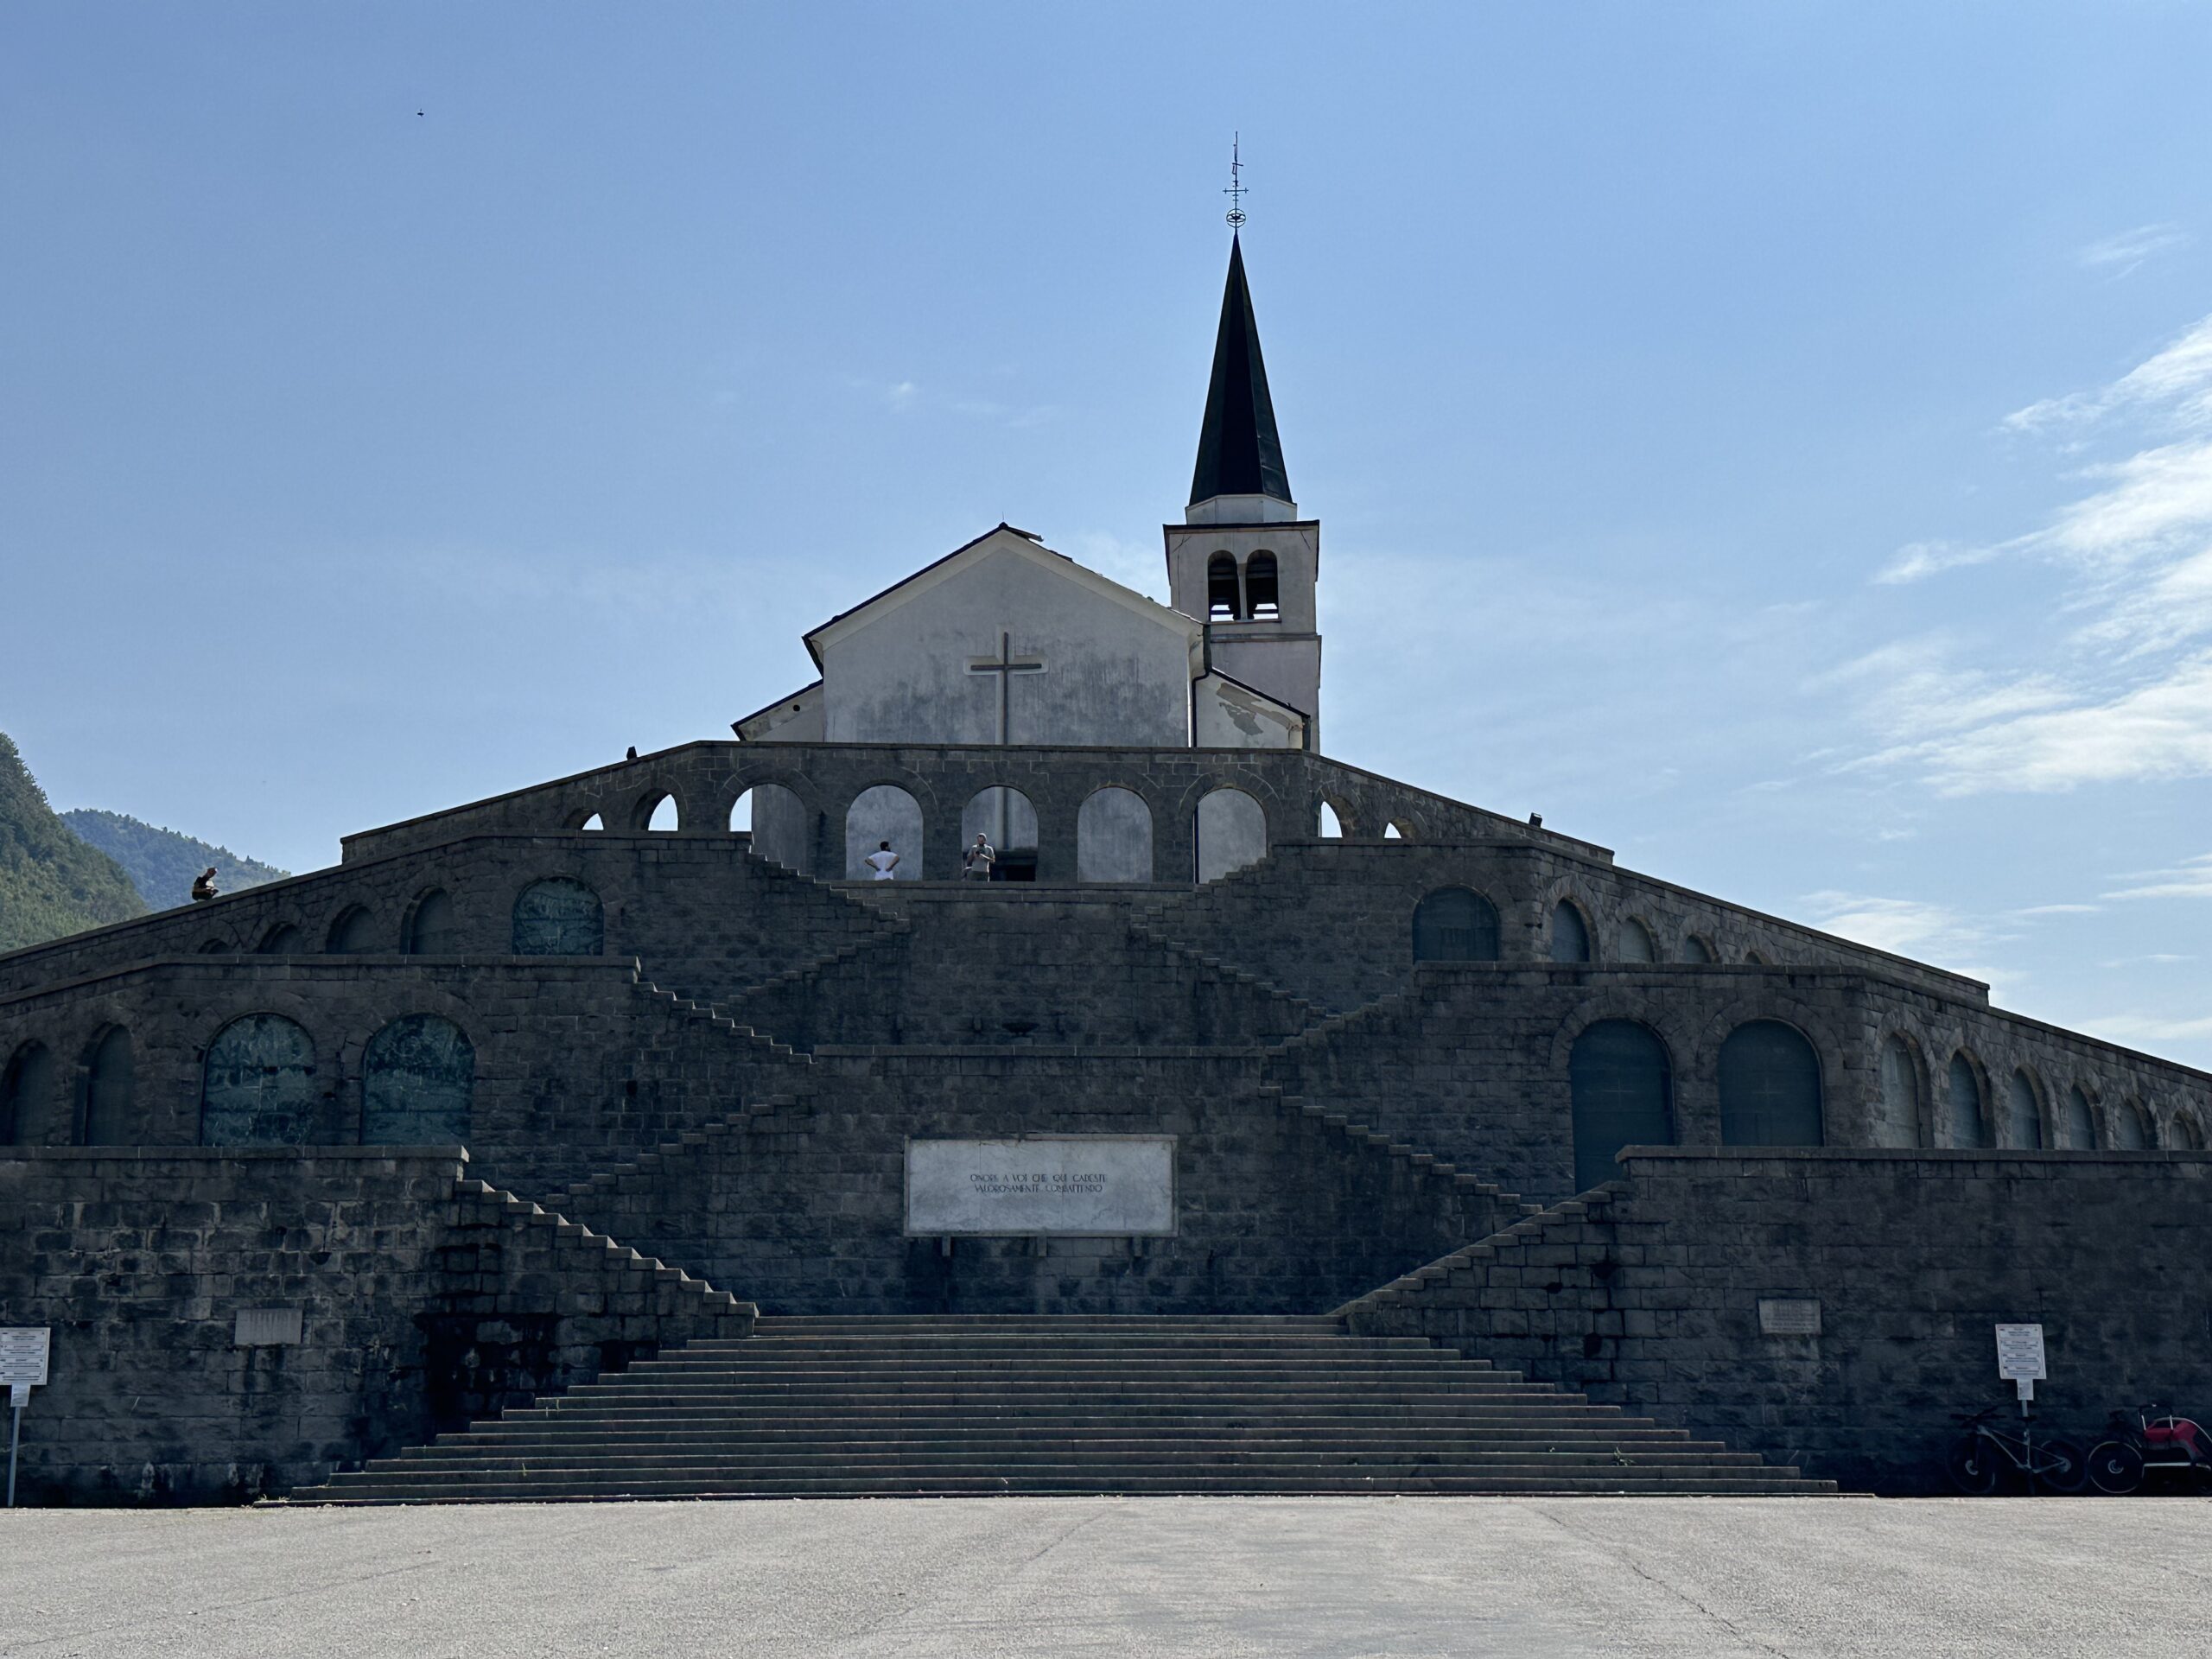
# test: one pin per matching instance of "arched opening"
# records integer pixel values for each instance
(2189, 1135)
(1756, 959)
(1623, 1094)
(2131, 1128)
(26, 1094)
(432, 928)
(1896, 1117)
(1455, 924)
(1570, 933)
(1330, 826)
(885, 814)
(594, 824)
(1008, 823)
(1636, 944)
(558, 917)
(1770, 1087)
(657, 814)
(1968, 1124)
(2023, 1113)
(1695, 948)
(773, 816)
(1262, 599)
(2079, 1128)
(213, 947)
(1232, 834)
(418, 1080)
(1224, 602)
(111, 1085)
(1113, 837)
(257, 1085)
(1391, 832)
(282, 940)
(353, 934)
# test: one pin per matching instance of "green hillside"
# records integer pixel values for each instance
(51, 883)
(163, 862)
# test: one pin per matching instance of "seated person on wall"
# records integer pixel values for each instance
(203, 886)
(976, 862)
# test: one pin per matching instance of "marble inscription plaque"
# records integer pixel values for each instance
(1787, 1316)
(1077, 1186)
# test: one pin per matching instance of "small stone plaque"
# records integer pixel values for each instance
(1781, 1318)
(267, 1327)
(1070, 1187)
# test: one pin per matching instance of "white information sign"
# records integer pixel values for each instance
(2019, 1353)
(22, 1354)
(1073, 1185)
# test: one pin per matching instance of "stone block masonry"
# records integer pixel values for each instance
(421, 1299)
(1645, 1294)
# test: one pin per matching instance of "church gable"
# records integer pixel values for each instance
(1005, 641)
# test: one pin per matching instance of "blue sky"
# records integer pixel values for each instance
(1774, 441)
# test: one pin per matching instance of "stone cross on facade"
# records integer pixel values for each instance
(1006, 665)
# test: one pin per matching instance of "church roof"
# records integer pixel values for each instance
(1240, 452)
(1001, 537)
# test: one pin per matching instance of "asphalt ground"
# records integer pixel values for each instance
(1275, 1577)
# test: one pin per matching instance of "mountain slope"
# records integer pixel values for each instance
(163, 862)
(51, 883)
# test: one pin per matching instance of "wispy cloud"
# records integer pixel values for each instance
(1907, 926)
(2126, 693)
(2191, 879)
(2122, 255)
(2031, 910)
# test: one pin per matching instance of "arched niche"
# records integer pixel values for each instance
(1005, 818)
(352, 933)
(1636, 943)
(775, 818)
(1965, 1117)
(2188, 1132)
(433, 929)
(282, 940)
(1113, 837)
(1621, 1086)
(1770, 1087)
(1896, 1109)
(1455, 924)
(558, 916)
(108, 1095)
(26, 1094)
(883, 813)
(418, 1082)
(2078, 1126)
(1696, 947)
(257, 1085)
(1232, 833)
(2130, 1127)
(1570, 932)
(2023, 1113)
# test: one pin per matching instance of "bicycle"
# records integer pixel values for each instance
(2138, 1442)
(1984, 1454)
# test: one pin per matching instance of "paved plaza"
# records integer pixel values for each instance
(1276, 1577)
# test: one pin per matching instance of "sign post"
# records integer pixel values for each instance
(23, 1351)
(2020, 1362)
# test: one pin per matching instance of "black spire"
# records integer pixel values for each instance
(1240, 452)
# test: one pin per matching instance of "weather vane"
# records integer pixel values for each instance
(1236, 185)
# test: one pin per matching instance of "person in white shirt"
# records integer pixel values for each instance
(882, 861)
(976, 862)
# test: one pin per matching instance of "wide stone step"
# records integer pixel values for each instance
(826, 1408)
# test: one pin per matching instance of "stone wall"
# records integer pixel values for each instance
(1472, 1061)
(1646, 1294)
(421, 1299)
(801, 1207)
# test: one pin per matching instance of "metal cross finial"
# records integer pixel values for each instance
(1236, 185)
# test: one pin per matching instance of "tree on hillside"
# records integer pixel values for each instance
(163, 861)
(51, 883)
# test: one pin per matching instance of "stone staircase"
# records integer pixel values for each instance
(973, 1407)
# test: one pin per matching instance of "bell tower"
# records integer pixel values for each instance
(1242, 561)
